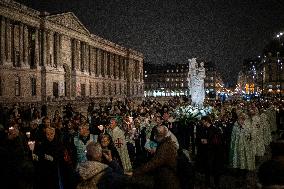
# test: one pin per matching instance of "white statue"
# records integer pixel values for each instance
(196, 77)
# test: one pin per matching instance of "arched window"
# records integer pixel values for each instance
(33, 86)
(17, 86)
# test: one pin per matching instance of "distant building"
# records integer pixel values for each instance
(212, 81)
(271, 68)
(165, 80)
(46, 57)
(264, 75)
(248, 77)
(171, 80)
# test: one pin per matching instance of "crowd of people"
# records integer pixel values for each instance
(126, 144)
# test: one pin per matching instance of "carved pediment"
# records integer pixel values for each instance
(68, 20)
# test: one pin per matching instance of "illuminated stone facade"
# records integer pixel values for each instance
(47, 57)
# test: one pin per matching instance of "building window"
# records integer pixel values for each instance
(17, 86)
(83, 89)
(146, 75)
(55, 89)
(33, 86)
(181, 84)
(109, 89)
(97, 88)
(167, 71)
(17, 59)
(104, 89)
(167, 79)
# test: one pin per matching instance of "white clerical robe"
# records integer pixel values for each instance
(241, 154)
(118, 138)
(266, 128)
(257, 138)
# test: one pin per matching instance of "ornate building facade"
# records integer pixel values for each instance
(45, 57)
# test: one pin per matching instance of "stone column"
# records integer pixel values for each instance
(2, 42)
(141, 70)
(111, 64)
(91, 60)
(48, 41)
(102, 63)
(55, 50)
(99, 62)
(21, 45)
(59, 49)
(95, 61)
(57, 43)
(77, 55)
(26, 46)
(14, 46)
(87, 58)
(43, 48)
(125, 68)
(82, 56)
(116, 66)
(36, 48)
(106, 64)
(8, 41)
(120, 66)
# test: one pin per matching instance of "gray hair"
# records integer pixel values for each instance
(94, 150)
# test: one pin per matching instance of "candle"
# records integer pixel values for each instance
(31, 145)
(28, 134)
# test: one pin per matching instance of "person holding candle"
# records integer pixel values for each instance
(48, 155)
(15, 161)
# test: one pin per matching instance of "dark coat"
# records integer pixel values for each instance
(163, 166)
(210, 156)
(48, 171)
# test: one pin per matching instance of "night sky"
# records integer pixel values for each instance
(171, 31)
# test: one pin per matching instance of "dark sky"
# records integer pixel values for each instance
(171, 31)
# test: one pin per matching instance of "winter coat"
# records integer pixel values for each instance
(90, 173)
(48, 170)
(163, 166)
(97, 175)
